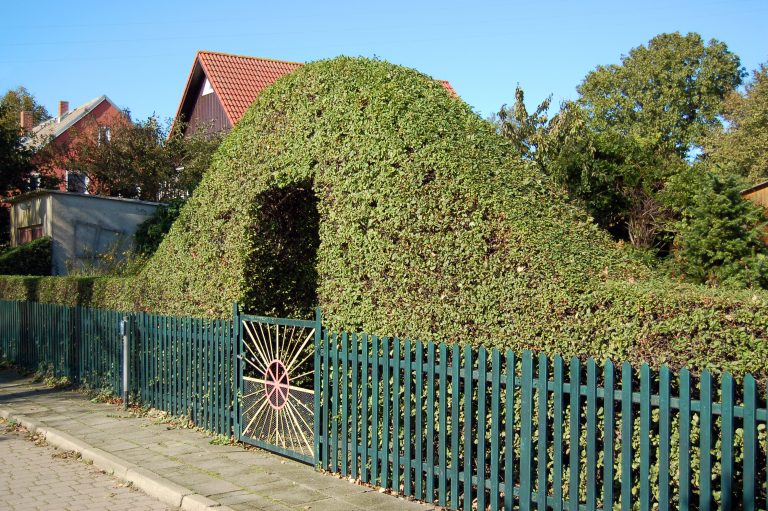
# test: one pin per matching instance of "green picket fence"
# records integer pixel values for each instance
(181, 365)
(472, 429)
(467, 429)
(186, 366)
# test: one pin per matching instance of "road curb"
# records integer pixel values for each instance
(149, 482)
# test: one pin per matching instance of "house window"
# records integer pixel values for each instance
(34, 180)
(77, 182)
(105, 134)
(29, 233)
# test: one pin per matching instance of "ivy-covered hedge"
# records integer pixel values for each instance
(33, 258)
(107, 292)
(365, 188)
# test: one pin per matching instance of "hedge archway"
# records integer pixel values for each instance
(412, 217)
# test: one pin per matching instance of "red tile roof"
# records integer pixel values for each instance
(238, 79)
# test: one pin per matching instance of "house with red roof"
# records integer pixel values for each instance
(221, 87)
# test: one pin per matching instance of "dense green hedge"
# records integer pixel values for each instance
(33, 258)
(108, 292)
(428, 228)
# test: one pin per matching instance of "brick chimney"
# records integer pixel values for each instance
(26, 121)
(63, 108)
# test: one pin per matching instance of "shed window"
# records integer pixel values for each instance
(29, 233)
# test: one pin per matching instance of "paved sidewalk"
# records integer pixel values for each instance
(43, 478)
(179, 466)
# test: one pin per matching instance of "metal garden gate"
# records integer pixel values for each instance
(276, 386)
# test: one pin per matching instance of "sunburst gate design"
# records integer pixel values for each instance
(277, 395)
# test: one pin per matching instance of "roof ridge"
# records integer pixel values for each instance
(248, 57)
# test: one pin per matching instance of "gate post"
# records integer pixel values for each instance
(318, 408)
(237, 347)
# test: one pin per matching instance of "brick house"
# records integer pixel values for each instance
(57, 133)
(221, 87)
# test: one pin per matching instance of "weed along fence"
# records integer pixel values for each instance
(465, 428)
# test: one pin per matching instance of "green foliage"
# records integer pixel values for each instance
(151, 231)
(140, 159)
(666, 93)
(18, 100)
(628, 134)
(721, 239)
(741, 147)
(33, 258)
(117, 293)
(15, 162)
(430, 226)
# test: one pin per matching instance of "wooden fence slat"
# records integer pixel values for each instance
(355, 447)
(430, 486)
(685, 439)
(626, 437)
(386, 419)
(375, 407)
(526, 437)
(664, 438)
(591, 434)
(645, 438)
(364, 407)
(557, 434)
(442, 418)
(396, 415)
(542, 442)
(749, 490)
(407, 422)
(326, 410)
(467, 459)
(726, 443)
(495, 423)
(705, 442)
(575, 434)
(335, 383)
(609, 435)
(455, 426)
(482, 390)
(419, 432)
(344, 380)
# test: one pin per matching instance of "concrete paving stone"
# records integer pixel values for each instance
(329, 504)
(236, 497)
(299, 495)
(185, 458)
(216, 486)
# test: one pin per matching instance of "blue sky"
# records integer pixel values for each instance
(139, 53)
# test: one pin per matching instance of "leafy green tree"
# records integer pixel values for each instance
(627, 136)
(140, 160)
(721, 237)
(18, 100)
(128, 161)
(191, 153)
(15, 169)
(741, 146)
(667, 93)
